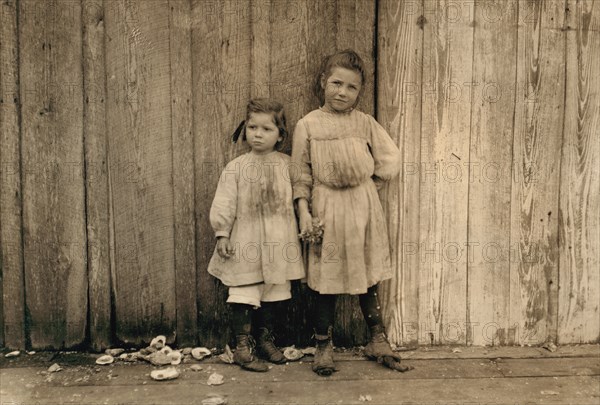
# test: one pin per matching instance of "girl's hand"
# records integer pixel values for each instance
(224, 247)
(304, 217)
(306, 222)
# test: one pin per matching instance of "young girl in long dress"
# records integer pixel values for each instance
(340, 155)
(258, 250)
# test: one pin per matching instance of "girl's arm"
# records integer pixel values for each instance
(386, 154)
(224, 209)
(301, 175)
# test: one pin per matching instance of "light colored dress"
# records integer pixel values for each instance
(253, 206)
(336, 160)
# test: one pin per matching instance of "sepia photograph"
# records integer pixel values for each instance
(299, 202)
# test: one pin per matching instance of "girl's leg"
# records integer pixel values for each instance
(378, 348)
(324, 317)
(241, 322)
(266, 318)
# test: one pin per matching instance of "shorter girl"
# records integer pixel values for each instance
(257, 251)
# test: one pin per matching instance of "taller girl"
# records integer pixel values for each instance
(343, 155)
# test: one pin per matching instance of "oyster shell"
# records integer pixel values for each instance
(158, 342)
(200, 352)
(106, 359)
(164, 374)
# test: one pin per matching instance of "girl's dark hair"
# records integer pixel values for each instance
(268, 106)
(347, 59)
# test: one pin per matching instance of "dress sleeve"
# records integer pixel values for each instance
(224, 206)
(386, 154)
(301, 168)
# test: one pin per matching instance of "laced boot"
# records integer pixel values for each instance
(379, 349)
(323, 363)
(267, 349)
(245, 357)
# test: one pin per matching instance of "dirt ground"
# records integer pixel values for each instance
(442, 375)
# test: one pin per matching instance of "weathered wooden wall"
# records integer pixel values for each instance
(116, 117)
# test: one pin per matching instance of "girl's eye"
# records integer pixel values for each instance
(252, 126)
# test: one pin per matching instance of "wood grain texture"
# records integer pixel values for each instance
(355, 29)
(536, 171)
(221, 59)
(96, 170)
(140, 155)
(291, 33)
(183, 170)
(12, 293)
(260, 69)
(53, 185)
(445, 122)
(492, 111)
(399, 81)
(579, 215)
(354, 24)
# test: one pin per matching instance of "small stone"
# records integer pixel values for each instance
(549, 392)
(31, 352)
(114, 352)
(54, 368)
(215, 379)
(196, 367)
(214, 399)
(12, 354)
(186, 351)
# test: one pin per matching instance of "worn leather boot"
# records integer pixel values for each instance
(323, 363)
(244, 355)
(266, 347)
(379, 349)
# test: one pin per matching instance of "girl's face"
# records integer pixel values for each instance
(342, 88)
(261, 133)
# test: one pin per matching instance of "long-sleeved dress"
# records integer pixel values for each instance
(336, 160)
(253, 206)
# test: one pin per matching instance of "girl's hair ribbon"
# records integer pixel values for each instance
(238, 131)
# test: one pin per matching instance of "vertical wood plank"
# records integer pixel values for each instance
(579, 215)
(183, 170)
(536, 170)
(53, 186)
(291, 34)
(492, 106)
(399, 80)
(289, 78)
(447, 66)
(355, 25)
(221, 57)
(260, 70)
(96, 181)
(355, 29)
(12, 334)
(140, 155)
